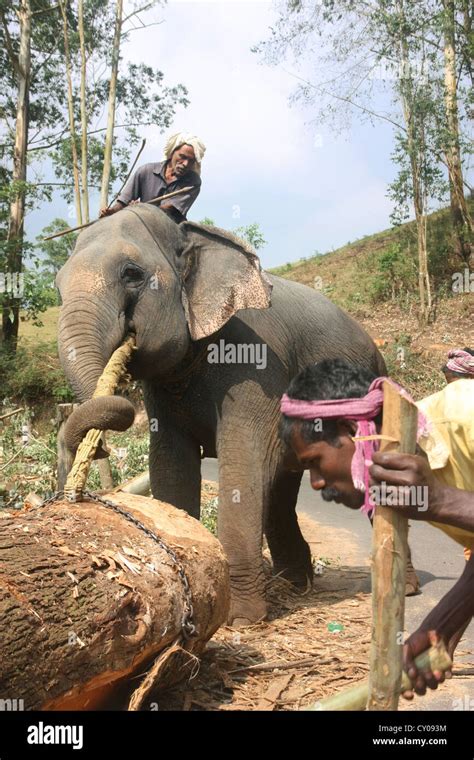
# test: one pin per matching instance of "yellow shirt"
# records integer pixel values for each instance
(450, 444)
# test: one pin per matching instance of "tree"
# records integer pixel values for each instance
(21, 64)
(55, 252)
(462, 222)
(253, 234)
(42, 105)
(109, 137)
(373, 49)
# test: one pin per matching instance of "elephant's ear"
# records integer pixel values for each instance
(221, 275)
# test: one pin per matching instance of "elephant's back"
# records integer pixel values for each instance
(304, 326)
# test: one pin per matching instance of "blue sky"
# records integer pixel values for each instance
(308, 188)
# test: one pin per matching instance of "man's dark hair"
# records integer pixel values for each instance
(457, 374)
(326, 380)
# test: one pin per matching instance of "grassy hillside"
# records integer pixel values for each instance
(374, 279)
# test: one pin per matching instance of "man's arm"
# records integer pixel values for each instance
(131, 192)
(447, 505)
(118, 206)
(452, 614)
(182, 203)
(444, 504)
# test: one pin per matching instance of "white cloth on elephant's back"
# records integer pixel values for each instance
(181, 138)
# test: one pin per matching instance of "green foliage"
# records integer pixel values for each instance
(253, 234)
(33, 373)
(393, 275)
(207, 221)
(55, 253)
(209, 514)
(135, 460)
(411, 369)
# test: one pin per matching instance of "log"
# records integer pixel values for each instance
(140, 484)
(88, 600)
(389, 559)
(355, 698)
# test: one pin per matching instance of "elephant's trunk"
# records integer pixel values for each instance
(89, 332)
(101, 413)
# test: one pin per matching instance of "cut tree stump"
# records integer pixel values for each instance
(88, 600)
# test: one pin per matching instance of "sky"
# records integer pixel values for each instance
(266, 161)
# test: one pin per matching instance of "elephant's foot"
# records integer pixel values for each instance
(296, 567)
(246, 610)
(247, 604)
(300, 576)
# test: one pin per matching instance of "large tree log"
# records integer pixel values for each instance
(87, 599)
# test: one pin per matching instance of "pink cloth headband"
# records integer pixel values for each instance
(461, 362)
(363, 410)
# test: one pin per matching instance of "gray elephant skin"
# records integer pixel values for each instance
(188, 292)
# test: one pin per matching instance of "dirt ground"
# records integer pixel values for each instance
(313, 644)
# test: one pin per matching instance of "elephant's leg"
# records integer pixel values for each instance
(175, 469)
(242, 490)
(290, 552)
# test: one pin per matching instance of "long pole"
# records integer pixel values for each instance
(389, 555)
(153, 200)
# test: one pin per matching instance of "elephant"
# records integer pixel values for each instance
(193, 296)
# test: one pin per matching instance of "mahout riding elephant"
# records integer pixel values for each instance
(218, 342)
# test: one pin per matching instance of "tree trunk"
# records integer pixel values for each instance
(462, 222)
(109, 136)
(72, 125)
(84, 173)
(22, 65)
(416, 147)
(88, 600)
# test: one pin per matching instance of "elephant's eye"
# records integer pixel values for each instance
(132, 274)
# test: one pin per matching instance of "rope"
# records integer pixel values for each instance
(114, 372)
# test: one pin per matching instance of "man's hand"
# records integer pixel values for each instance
(109, 210)
(417, 643)
(417, 489)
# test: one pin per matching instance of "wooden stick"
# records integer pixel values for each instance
(10, 414)
(129, 173)
(355, 698)
(89, 224)
(389, 557)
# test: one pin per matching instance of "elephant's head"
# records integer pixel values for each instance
(137, 271)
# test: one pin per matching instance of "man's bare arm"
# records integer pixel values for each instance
(118, 206)
(451, 506)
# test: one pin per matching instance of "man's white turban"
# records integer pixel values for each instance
(175, 141)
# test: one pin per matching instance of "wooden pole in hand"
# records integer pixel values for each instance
(389, 554)
(89, 224)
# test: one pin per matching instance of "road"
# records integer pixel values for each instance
(439, 562)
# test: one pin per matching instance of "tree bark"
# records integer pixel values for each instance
(84, 122)
(22, 66)
(109, 136)
(416, 147)
(87, 599)
(72, 125)
(462, 222)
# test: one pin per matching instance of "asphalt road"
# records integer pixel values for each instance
(439, 562)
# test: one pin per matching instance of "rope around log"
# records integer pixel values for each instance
(114, 372)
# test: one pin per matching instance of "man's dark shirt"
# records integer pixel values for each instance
(149, 182)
